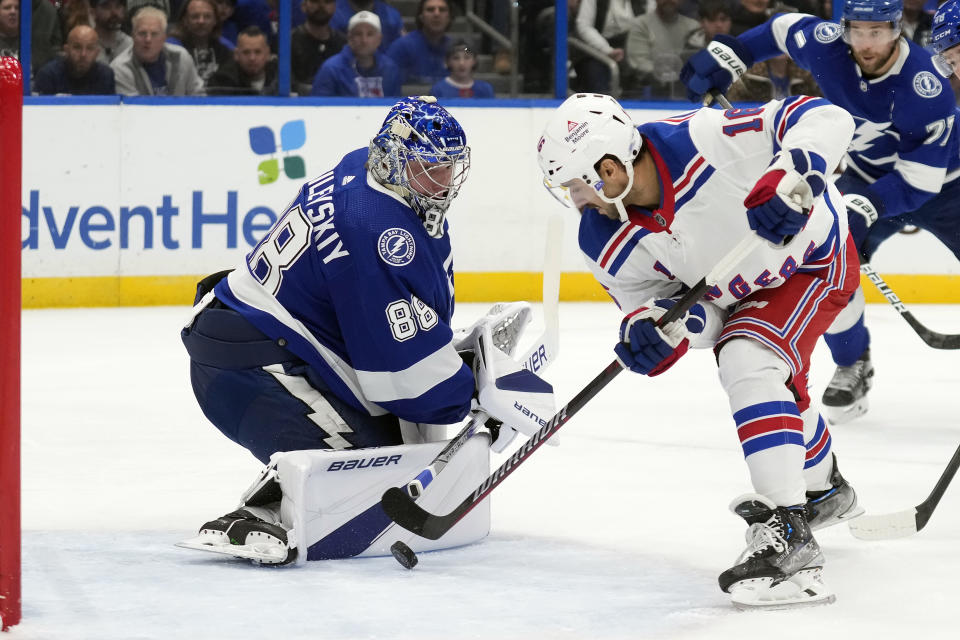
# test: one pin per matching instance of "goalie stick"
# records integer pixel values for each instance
(932, 338)
(905, 523)
(408, 514)
(537, 357)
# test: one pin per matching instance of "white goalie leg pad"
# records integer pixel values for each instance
(520, 399)
(421, 432)
(803, 589)
(331, 499)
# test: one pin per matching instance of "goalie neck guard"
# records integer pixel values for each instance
(421, 153)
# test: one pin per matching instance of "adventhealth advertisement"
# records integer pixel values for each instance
(185, 190)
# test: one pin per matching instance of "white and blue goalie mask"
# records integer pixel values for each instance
(421, 153)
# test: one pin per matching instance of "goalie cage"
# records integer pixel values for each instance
(11, 110)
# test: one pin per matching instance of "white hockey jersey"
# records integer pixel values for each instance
(708, 161)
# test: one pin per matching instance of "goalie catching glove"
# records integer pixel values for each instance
(778, 206)
(650, 350)
(518, 398)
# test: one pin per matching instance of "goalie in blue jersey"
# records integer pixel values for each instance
(902, 166)
(334, 333)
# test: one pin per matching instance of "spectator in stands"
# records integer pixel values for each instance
(916, 23)
(655, 46)
(460, 83)
(390, 19)
(251, 72)
(77, 72)
(198, 32)
(421, 53)
(10, 28)
(536, 46)
(74, 12)
(604, 25)
(133, 6)
(747, 14)
(228, 26)
(108, 18)
(153, 66)
(313, 42)
(359, 70)
(714, 18)
(45, 36)
(774, 79)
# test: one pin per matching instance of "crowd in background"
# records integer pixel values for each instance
(366, 48)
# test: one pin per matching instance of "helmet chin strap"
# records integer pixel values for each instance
(617, 201)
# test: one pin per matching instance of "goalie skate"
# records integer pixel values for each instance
(241, 534)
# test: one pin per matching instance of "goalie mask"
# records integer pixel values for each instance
(421, 153)
(584, 129)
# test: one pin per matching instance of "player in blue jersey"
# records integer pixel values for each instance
(904, 151)
(335, 331)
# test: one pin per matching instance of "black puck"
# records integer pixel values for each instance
(404, 554)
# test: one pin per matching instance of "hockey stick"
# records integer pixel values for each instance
(932, 338)
(409, 515)
(537, 357)
(905, 523)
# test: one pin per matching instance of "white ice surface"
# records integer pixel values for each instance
(618, 533)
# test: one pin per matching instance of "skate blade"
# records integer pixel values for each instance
(803, 589)
(262, 554)
(841, 415)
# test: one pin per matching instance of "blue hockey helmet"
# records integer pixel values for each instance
(421, 153)
(872, 11)
(946, 35)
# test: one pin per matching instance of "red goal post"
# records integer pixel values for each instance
(11, 118)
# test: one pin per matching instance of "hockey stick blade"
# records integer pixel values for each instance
(408, 514)
(905, 523)
(932, 338)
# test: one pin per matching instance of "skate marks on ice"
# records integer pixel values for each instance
(137, 586)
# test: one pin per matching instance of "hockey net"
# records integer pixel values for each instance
(11, 101)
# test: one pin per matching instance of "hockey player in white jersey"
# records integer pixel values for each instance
(660, 205)
(903, 165)
(334, 336)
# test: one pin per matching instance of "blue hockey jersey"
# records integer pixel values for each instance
(905, 142)
(349, 278)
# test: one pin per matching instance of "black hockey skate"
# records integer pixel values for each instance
(836, 504)
(244, 534)
(781, 566)
(846, 396)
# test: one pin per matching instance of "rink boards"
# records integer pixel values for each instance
(146, 198)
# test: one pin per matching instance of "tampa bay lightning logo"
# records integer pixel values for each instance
(827, 32)
(927, 85)
(396, 247)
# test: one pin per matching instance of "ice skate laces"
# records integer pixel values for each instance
(764, 535)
